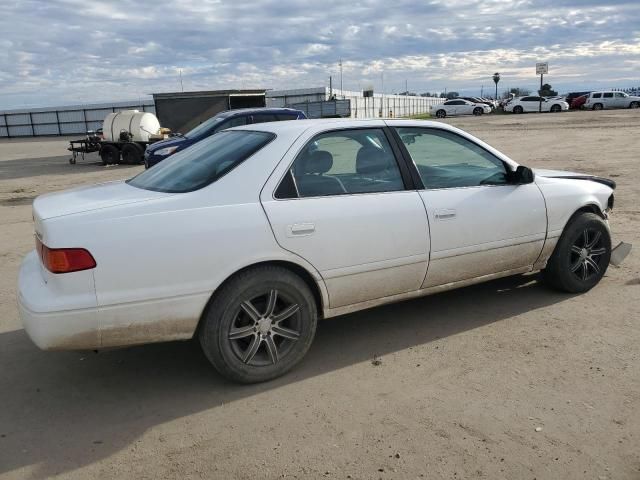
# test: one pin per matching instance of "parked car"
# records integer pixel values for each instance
(573, 95)
(477, 100)
(461, 107)
(531, 104)
(253, 234)
(158, 151)
(600, 100)
(578, 102)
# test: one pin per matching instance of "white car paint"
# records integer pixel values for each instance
(160, 257)
(458, 106)
(531, 103)
(611, 99)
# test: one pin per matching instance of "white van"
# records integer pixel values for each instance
(600, 100)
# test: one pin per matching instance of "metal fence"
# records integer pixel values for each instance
(324, 109)
(72, 120)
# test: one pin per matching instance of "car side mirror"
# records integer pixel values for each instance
(523, 175)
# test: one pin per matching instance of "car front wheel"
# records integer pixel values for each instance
(259, 325)
(477, 111)
(581, 256)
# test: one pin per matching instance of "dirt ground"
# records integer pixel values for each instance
(505, 380)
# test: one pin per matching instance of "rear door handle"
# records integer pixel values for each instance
(445, 214)
(300, 229)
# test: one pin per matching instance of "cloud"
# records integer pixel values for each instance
(70, 51)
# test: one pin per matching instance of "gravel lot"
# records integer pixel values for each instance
(501, 380)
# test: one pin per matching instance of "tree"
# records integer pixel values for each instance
(547, 91)
(520, 92)
(496, 79)
(451, 95)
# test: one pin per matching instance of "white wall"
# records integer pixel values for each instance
(377, 106)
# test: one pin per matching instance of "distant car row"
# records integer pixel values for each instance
(531, 103)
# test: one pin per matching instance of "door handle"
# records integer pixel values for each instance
(300, 229)
(445, 214)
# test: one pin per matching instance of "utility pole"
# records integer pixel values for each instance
(181, 86)
(341, 89)
(381, 98)
(406, 86)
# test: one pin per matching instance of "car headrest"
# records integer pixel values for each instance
(319, 161)
(371, 160)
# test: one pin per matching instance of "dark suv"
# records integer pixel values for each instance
(158, 151)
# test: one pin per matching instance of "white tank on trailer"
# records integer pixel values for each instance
(141, 125)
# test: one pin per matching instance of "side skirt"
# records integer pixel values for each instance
(334, 312)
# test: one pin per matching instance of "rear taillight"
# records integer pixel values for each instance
(64, 260)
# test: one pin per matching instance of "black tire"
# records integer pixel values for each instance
(132, 154)
(598, 106)
(518, 109)
(477, 111)
(556, 108)
(574, 266)
(109, 154)
(634, 105)
(441, 114)
(230, 309)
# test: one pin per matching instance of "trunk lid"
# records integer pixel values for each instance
(94, 197)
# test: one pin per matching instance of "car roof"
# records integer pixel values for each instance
(248, 111)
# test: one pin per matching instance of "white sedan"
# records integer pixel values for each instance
(532, 104)
(458, 106)
(247, 238)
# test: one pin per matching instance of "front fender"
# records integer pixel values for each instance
(565, 196)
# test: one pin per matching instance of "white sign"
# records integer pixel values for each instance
(542, 68)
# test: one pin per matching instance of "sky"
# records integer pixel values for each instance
(59, 52)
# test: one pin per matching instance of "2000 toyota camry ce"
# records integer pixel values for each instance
(247, 238)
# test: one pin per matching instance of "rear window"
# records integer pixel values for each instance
(202, 163)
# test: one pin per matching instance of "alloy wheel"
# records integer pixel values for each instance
(265, 329)
(586, 254)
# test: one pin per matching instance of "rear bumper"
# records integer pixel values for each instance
(49, 327)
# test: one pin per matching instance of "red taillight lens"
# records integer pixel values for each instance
(64, 260)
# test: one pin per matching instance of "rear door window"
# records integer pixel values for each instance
(597, 95)
(286, 116)
(344, 162)
(608, 95)
(264, 117)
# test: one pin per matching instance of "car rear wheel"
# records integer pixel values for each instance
(555, 108)
(477, 111)
(517, 109)
(259, 325)
(581, 256)
(634, 105)
(441, 114)
(598, 106)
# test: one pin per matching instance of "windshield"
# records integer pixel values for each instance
(205, 127)
(202, 163)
